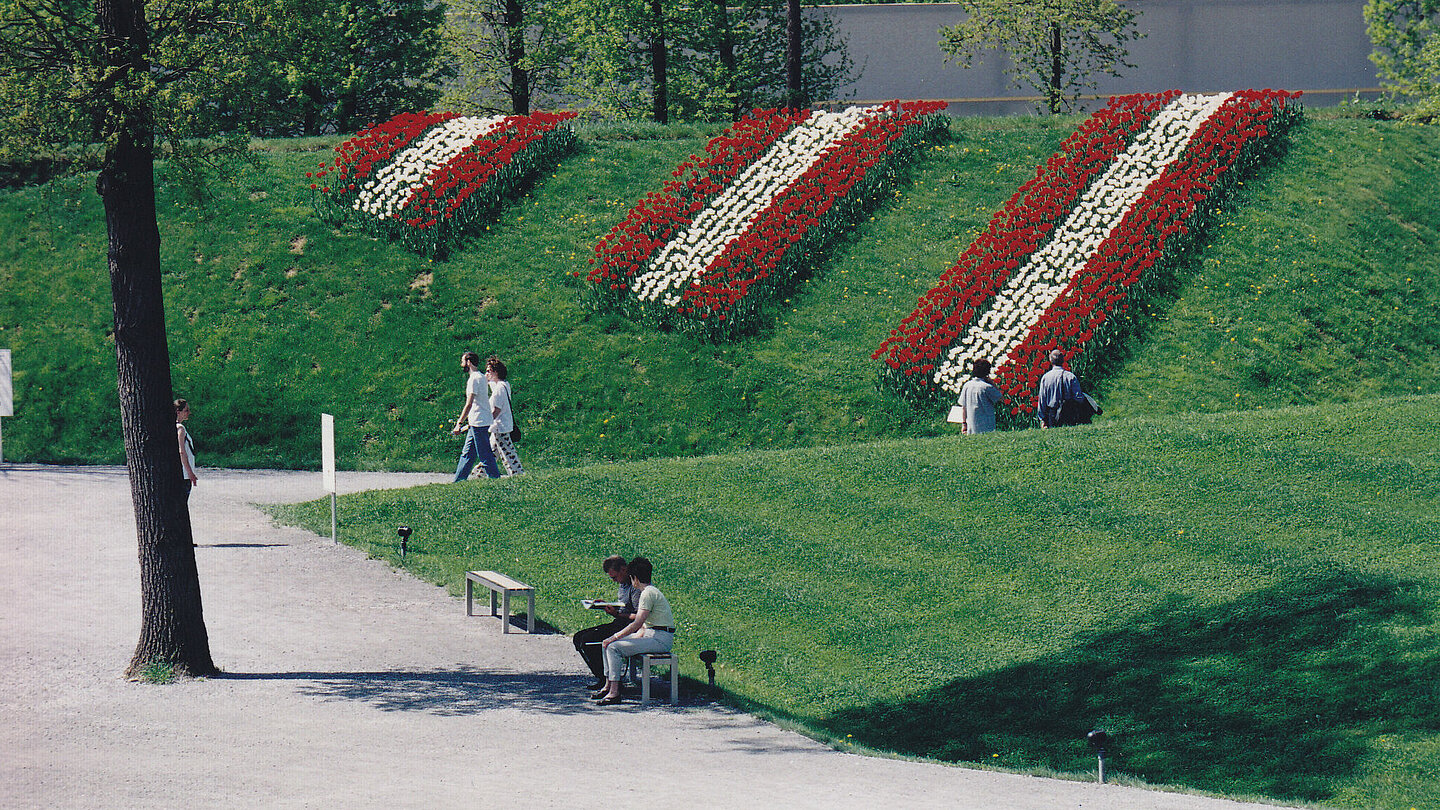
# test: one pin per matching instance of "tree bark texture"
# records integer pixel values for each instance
(658, 59)
(172, 626)
(515, 56)
(1057, 68)
(794, 80)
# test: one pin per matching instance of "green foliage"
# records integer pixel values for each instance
(1407, 50)
(1055, 46)
(320, 66)
(1330, 261)
(1249, 602)
(510, 55)
(616, 79)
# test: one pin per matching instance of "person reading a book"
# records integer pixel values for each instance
(587, 641)
(652, 630)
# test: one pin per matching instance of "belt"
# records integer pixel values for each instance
(664, 629)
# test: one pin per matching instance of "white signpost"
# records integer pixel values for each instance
(327, 456)
(7, 394)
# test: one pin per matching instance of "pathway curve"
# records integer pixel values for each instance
(351, 684)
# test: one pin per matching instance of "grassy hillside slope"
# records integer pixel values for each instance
(1249, 603)
(1321, 287)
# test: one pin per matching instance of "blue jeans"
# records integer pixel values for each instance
(477, 445)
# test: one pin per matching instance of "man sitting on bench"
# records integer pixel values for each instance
(587, 641)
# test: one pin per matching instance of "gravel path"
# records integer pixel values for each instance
(350, 684)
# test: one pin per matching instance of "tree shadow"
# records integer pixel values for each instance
(453, 692)
(1276, 693)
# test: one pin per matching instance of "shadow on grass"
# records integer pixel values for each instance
(1278, 693)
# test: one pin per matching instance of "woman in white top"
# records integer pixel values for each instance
(187, 446)
(500, 442)
(652, 630)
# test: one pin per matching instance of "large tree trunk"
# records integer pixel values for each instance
(794, 42)
(658, 59)
(515, 56)
(1057, 69)
(172, 628)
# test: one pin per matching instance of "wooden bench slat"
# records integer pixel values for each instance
(498, 580)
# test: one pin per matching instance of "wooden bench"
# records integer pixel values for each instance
(672, 659)
(498, 584)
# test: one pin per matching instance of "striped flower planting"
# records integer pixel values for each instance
(1077, 247)
(726, 237)
(426, 179)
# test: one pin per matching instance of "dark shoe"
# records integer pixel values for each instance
(609, 701)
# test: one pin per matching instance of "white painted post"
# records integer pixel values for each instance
(7, 394)
(327, 456)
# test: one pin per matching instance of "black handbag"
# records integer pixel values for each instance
(515, 433)
(1078, 411)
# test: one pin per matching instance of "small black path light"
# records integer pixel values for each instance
(708, 656)
(1098, 739)
(404, 532)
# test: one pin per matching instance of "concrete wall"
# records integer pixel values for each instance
(1318, 46)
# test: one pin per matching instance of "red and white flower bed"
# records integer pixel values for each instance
(1076, 246)
(710, 250)
(427, 178)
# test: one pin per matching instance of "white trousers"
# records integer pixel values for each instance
(647, 640)
(505, 451)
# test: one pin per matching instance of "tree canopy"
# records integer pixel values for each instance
(1056, 47)
(1407, 49)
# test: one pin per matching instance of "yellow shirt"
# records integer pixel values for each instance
(653, 600)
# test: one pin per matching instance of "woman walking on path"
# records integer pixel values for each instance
(187, 446)
(474, 422)
(500, 432)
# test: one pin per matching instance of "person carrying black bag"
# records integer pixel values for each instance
(1061, 401)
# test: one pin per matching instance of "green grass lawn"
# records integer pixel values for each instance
(1246, 601)
(1243, 591)
(1320, 286)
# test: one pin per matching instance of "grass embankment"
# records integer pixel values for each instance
(1322, 286)
(1249, 603)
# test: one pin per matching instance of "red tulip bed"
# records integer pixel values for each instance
(1080, 247)
(428, 179)
(731, 231)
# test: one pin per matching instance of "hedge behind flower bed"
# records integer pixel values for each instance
(428, 179)
(1077, 250)
(725, 238)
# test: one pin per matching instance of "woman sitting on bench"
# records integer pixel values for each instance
(652, 630)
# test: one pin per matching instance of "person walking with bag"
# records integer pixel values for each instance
(1061, 401)
(502, 432)
(474, 421)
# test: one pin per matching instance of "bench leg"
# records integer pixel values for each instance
(645, 680)
(492, 601)
(530, 614)
(469, 597)
(674, 681)
(506, 617)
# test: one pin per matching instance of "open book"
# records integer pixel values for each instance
(600, 604)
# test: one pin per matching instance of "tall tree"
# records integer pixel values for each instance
(1055, 46)
(794, 56)
(741, 61)
(103, 60)
(1406, 36)
(628, 61)
(509, 55)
